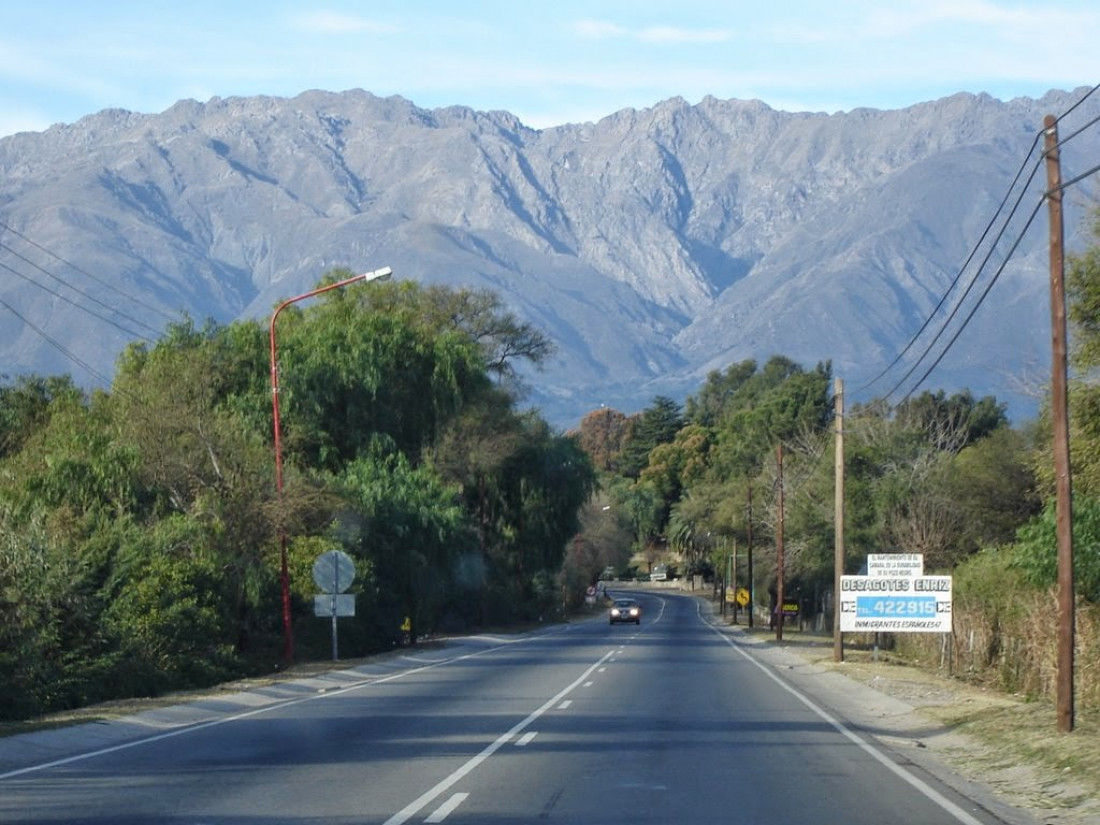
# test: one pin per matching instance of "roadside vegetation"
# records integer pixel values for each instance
(140, 526)
(698, 487)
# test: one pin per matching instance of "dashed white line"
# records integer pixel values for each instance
(410, 810)
(565, 704)
(526, 738)
(447, 808)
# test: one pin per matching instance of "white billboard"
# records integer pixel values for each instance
(902, 604)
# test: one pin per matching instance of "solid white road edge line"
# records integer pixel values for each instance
(923, 787)
(192, 728)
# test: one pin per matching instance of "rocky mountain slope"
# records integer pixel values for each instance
(652, 246)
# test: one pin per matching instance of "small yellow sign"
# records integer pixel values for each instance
(742, 597)
(407, 625)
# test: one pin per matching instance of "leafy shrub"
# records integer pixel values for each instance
(1036, 550)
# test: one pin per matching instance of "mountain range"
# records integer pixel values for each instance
(652, 246)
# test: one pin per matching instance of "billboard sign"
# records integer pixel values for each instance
(903, 604)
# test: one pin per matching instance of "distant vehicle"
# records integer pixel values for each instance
(625, 610)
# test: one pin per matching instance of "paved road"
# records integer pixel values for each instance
(675, 721)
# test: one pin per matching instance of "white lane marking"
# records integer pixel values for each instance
(602, 669)
(565, 704)
(411, 809)
(927, 790)
(447, 808)
(526, 738)
(589, 684)
(366, 682)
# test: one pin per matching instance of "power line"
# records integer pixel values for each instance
(102, 282)
(969, 287)
(962, 269)
(56, 344)
(981, 299)
(1000, 235)
(71, 302)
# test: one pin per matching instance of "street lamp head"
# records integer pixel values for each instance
(382, 274)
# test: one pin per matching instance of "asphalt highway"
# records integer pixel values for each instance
(674, 721)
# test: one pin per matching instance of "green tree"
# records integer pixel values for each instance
(657, 424)
(25, 407)
(719, 394)
(1036, 553)
(410, 534)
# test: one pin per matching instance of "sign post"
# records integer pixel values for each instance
(334, 572)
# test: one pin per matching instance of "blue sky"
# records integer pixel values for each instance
(556, 62)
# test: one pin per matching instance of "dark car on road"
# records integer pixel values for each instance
(625, 610)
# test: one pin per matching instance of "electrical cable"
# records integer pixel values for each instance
(981, 299)
(71, 302)
(962, 269)
(997, 275)
(973, 282)
(87, 274)
(56, 344)
(969, 287)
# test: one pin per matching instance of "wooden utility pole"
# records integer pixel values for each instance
(779, 548)
(1059, 407)
(748, 562)
(838, 517)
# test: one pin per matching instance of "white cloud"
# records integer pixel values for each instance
(603, 30)
(598, 29)
(327, 22)
(671, 34)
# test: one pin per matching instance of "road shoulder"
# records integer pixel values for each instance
(998, 749)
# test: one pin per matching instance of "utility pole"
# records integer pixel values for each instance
(838, 517)
(779, 548)
(733, 579)
(1060, 419)
(748, 552)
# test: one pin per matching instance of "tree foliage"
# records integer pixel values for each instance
(141, 527)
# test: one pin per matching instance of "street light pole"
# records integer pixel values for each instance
(284, 574)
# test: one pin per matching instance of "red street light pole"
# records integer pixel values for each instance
(284, 574)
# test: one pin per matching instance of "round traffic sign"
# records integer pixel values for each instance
(334, 571)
